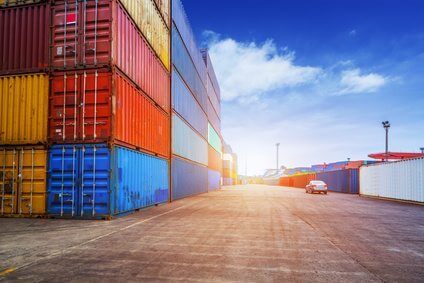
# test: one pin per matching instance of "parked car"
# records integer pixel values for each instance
(316, 186)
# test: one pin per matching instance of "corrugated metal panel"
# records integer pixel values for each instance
(86, 112)
(211, 73)
(214, 139)
(188, 178)
(80, 183)
(151, 24)
(186, 105)
(140, 180)
(24, 33)
(214, 100)
(10, 3)
(23, 181)
(164, 7)
(297, 181)
(213, 118)
(402, 180)
(187, 143)
(24, 109)
(214, 180)
(138, 122)
(183, 63)
(343, 181)
(93, 39)
(228, 181)
(187, 36)
(80, 106)
(214, 159)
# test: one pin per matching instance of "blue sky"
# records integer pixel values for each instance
(317, 76)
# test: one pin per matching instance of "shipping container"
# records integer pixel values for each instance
(211, 73)
(10, 3)
(187, 106)
(297, 181)
(214, 119)
(183, 63)
(214, 159)
(400, 180)
(214, 180)
(182, 27)
(187, 143)
(227, 172)
(94, 181)
(150, 23)
(342, 181)
(228, 181)
(23, 181)
(214, 139)
(188, 178)
(164, 7)
(24, 34)
(100, 106)
(213, 99)
(88, 34)
(24, 109)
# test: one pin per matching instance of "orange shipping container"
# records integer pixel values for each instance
(214, 159)
(102, 106)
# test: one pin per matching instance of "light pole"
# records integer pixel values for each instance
(277, 145)
(386, 125)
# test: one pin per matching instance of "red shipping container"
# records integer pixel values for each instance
(24, 34)
(101, 106)
(95, 34)
(214, 159)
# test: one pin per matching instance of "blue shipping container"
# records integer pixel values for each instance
(214, 180)
(188, 178)
(184, 64)
(93, 181)
(342, 181)
(187, 106)
(228, 182)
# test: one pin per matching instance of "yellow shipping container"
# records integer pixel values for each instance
(149, 21)
(164, 8)
(23, 109)
(6, 3)
(23, 181)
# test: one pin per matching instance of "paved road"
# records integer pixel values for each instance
(250, 233)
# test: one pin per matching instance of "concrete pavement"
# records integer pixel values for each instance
(246, 233)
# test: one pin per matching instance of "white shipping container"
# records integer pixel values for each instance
(401, 180)
(187, 143)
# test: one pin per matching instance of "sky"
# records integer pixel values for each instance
(317, 76)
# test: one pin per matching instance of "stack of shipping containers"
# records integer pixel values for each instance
(109, 122)
(195, 132)
(86, 115)
(24, 90)
(230, 169)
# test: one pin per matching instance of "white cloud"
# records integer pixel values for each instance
(248, 70)
(352, 81)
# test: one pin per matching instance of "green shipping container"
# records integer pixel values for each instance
(214, 139)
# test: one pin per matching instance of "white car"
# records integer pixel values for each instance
(316, 187)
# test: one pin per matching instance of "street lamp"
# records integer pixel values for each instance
(386, 125)
(277, 145)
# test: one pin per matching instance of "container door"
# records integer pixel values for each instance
(32, 189)
(64, 180)
(65, 53)
(81, 33)
(80, 107)
(9, 180)
(95, 167)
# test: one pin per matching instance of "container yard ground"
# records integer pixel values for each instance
(246, 233)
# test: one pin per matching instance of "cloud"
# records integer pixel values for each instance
(353, 32)
(247, 70)
(352, 81)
